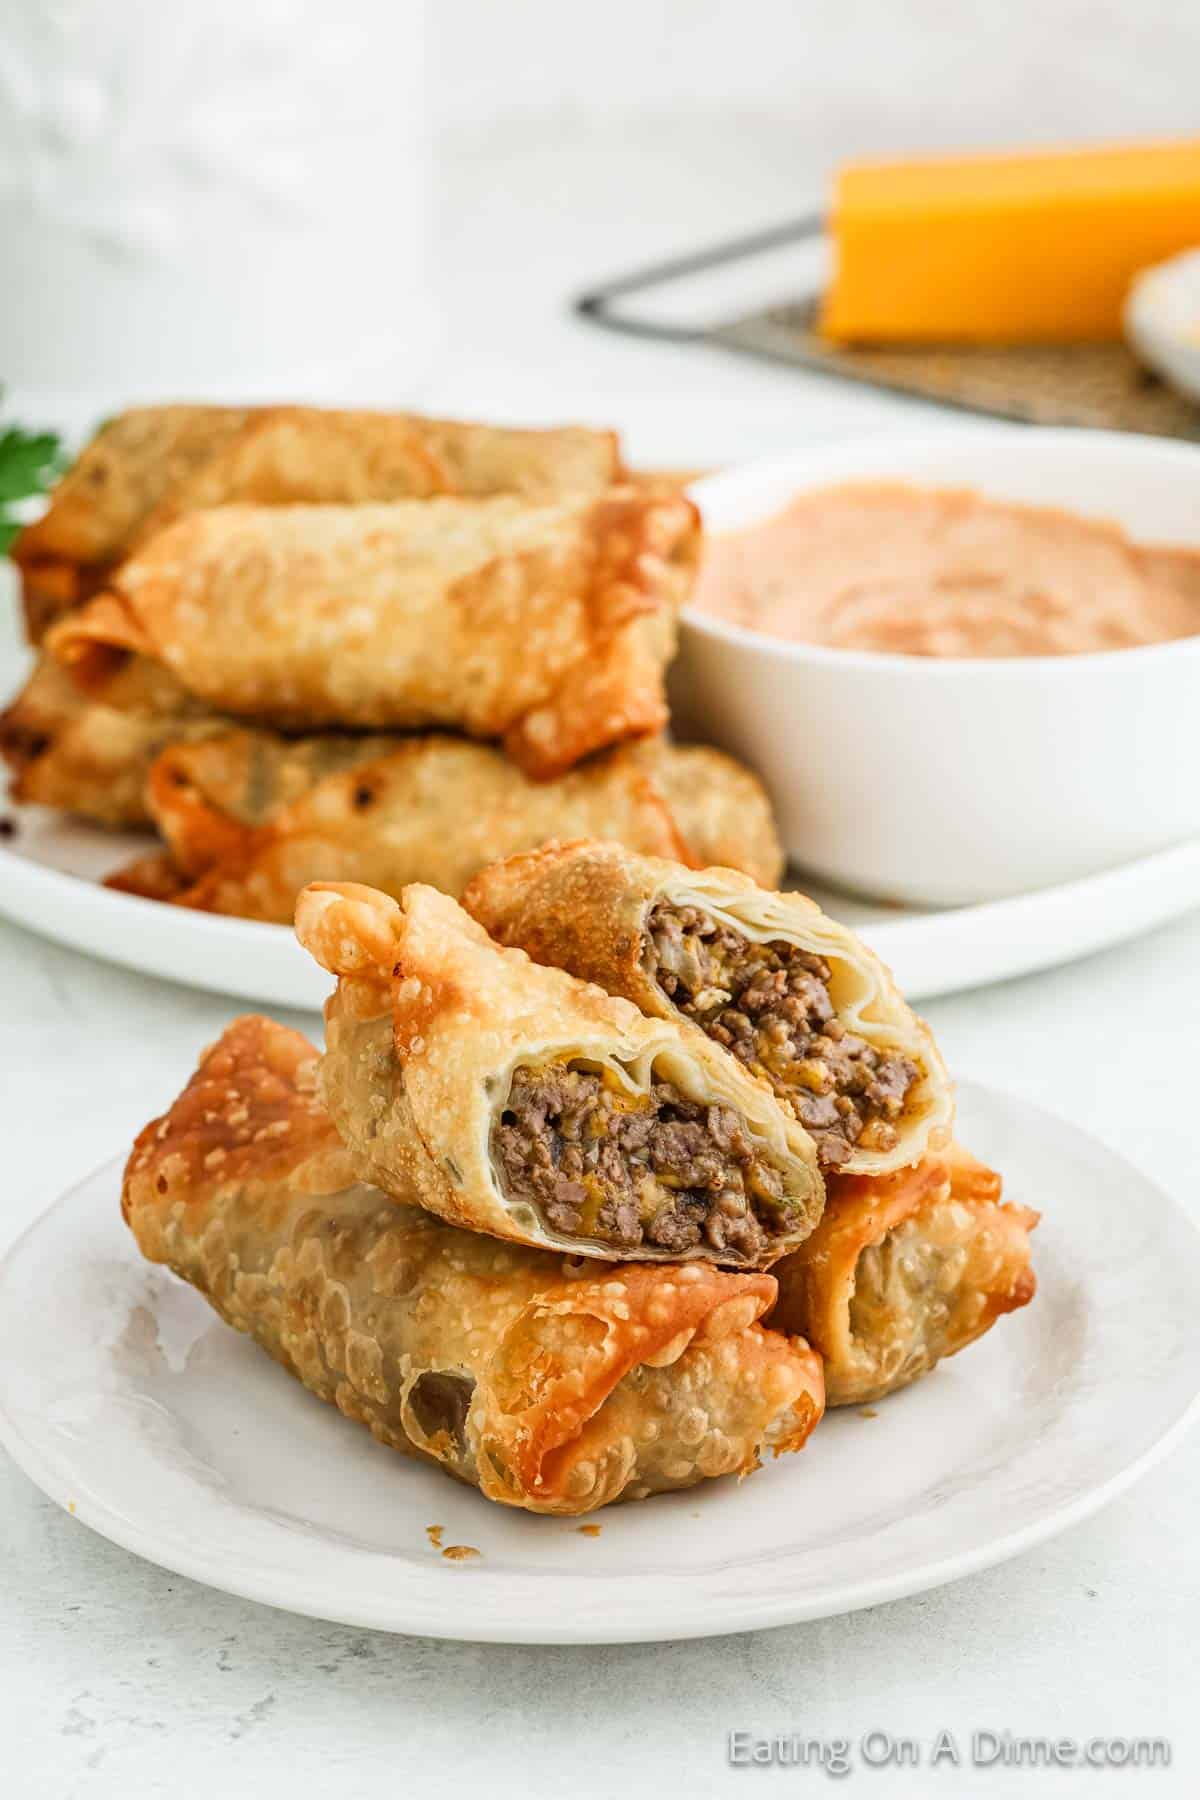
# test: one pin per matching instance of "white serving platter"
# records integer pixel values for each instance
(50, 882)
(137, 1409)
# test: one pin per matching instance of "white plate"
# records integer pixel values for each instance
(125, 1398)
(49, 876)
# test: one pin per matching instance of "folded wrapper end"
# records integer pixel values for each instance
(152, 877)
(50, 586)
(199, 835)
(349, 929)
(643, 550)
(905, 1270)
(355, 933)
(616, 695)
(571, 1442)
(95, 641)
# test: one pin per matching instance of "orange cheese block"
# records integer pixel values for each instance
(1005, 249)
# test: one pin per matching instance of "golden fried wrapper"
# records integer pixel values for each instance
(548, 1384)
(905, 1269)
(250, 817)
(544, 626)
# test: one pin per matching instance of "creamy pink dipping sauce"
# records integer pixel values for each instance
(944, 572)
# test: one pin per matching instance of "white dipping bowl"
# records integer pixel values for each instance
(936, 782)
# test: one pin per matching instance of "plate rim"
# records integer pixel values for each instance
(1163, 885)
(104, 925)
(717, 1616)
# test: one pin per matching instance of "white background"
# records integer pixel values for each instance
(862, 75)
(574, 142)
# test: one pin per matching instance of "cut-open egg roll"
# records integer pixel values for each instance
(903, 1270)
(548, 1384)
(91, 757)
(546, 626)
(518, 1101)
(796, 998)
(250, 817)
(151, 465)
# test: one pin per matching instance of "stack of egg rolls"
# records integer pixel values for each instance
(311, 645)
(550, 1228)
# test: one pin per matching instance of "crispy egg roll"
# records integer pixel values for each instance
(796, 998)
(905, 1269)
(250, 818)
(92, 757)
(375, 810)
(151, 465)
(545, 626)
(548, 1384)
(515, 1100)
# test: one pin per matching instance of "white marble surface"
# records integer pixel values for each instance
(117, 1679)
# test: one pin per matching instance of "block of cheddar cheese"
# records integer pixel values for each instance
(1019, 249)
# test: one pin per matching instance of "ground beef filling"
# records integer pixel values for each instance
(769, 1005)
(651, 1168)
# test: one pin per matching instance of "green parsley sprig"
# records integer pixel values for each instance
(30, 462)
